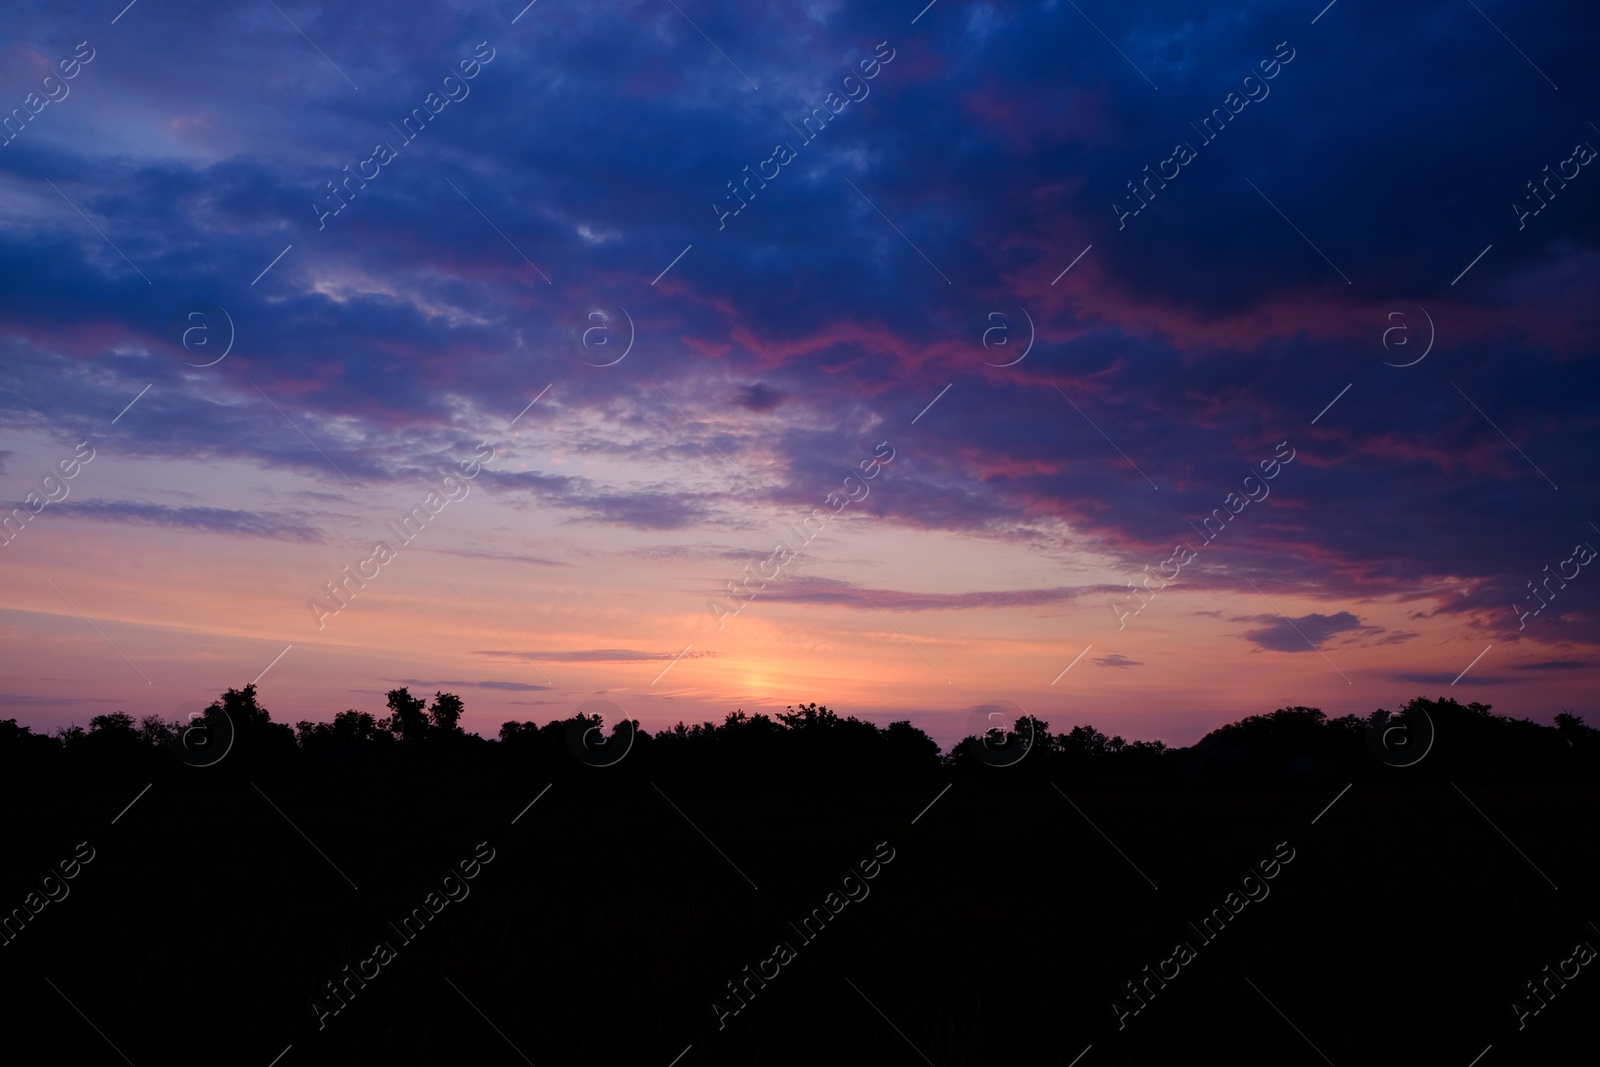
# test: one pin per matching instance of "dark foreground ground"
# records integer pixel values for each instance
(1400, 924)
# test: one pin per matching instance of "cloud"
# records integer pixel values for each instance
(1556, 665)
(760, 397)
(654, 554)
(1293, 635)
(641, 509)
(515, 687)
(595, 655)
(500, 557)
(1446, 679)
(1116, 659)
(214, 520)
(21, 700)
(809, 590)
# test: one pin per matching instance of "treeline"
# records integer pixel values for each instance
(1290, 743)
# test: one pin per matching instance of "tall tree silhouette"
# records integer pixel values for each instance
(446, 713)
(249, 717)
(257, 740)
(407, 720)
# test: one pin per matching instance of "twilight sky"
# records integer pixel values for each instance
(1007, 299)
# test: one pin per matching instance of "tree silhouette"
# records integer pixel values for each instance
(808, 717)
(909, 746)
(1577, 733)
(157, 731)
(348, 728)
(256, 736)
(761, 751)
(446, 713)
(249, 717)
(1085, 742)
(996, 747)
(114, 730)
(70, 737)
(407, 720)
(519, 733)
(115, 722)
(14, 737)
(27, 757)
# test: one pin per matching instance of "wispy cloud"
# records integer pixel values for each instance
(812, 590)
(500, 557)
(593, 655)
(514, 687)
(213, 520)
(1556, 665)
